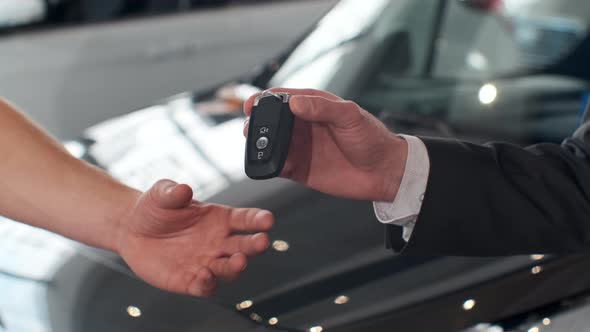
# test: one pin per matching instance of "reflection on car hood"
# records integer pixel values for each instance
(29, 258)
(171, 140)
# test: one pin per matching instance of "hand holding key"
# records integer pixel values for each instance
(338, 148)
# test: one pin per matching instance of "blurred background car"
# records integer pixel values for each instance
(498, 70)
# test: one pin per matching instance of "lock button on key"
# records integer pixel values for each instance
(262, 143)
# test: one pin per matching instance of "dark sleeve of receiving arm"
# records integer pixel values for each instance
(500, 199)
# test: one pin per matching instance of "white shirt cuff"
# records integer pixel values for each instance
(404, 209)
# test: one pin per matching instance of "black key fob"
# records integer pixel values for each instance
(269, 135)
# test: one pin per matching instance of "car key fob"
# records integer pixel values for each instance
(269, 135)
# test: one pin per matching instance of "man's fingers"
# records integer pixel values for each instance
(167, 194)
(203, 284)
(294, 92)
(246, 124)
(250, 220)
(342, 114)
(249, 245)
(229, 268)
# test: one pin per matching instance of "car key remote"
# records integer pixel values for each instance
(269, 135)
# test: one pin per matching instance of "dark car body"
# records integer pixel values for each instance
(425, 67)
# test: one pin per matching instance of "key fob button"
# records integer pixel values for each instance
(262, 155)
(263, 130)
(262, 143)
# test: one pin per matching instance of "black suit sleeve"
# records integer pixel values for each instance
(500, 199)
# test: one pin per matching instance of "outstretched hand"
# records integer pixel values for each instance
(340, 149)
(181, 245)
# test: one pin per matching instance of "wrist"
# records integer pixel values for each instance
(393, 168)
(127, 201)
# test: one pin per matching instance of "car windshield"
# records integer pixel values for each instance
(472, 66)
(512, 37)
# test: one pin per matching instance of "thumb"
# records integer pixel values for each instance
(343, 114)
(167, 194)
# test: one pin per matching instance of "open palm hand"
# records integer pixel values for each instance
(181, 245)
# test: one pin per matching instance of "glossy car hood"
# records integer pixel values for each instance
(328, 267)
